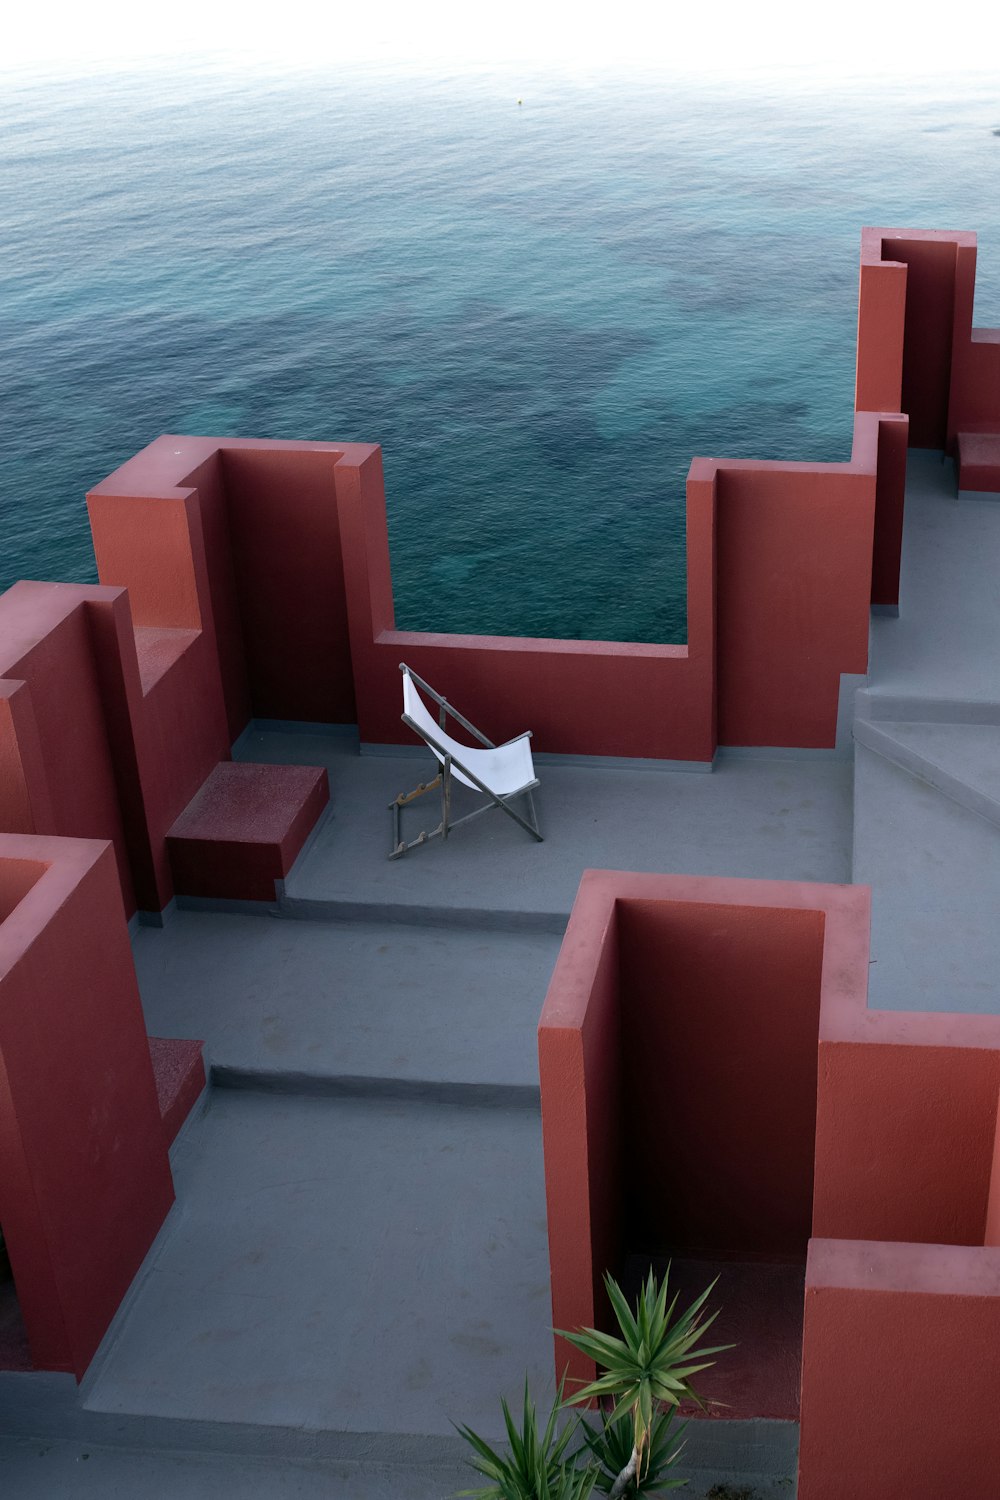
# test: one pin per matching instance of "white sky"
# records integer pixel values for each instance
(705, 36)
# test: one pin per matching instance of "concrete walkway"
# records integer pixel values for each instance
(927, 760)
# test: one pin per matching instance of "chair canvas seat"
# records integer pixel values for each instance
(505, 769)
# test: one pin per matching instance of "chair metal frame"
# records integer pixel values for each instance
(443, 779)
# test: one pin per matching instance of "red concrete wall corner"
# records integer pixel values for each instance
(654, 974)
(992, 1233)
(917, 349)
(84, 1176)
(881, 323)
(288, 567)
(60, 773)
(905, 1138)
(720, 1017)
(794, 547)
(579, 1070)
(890, 494)
(900, 1372)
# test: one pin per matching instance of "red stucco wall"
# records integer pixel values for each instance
(917, 348)
(582, 1122)
(84, 1176)
(905, 1138)
(900, 1373)
(289, 576)
(57, 772)
(174, 728)
(719, 1010)
(794, 584)
(702, 995)
(581, 697)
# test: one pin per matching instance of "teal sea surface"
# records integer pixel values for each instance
(541, 293)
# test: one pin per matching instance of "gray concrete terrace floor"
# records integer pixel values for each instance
(945, 645)
(777, 816)
(927, 759)
(358, 1251)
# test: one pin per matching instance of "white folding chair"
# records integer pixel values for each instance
(499, 772)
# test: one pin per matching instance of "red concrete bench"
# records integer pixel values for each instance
(979, 463)
(243, 829)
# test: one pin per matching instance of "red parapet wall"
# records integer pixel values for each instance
(262, 575)
(921, 1182)
(779, 587)
(918, 351)
(84, 1176)
(794, 583)
(577, 697)
(901, 1372)
(57, 768)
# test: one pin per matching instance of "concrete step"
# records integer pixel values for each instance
(42, 1468)
(934, 868)
(959, 760)
(384, 1007)
(875, 705)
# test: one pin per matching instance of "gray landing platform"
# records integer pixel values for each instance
(927, 760)
(769, 816)
(359, 1267)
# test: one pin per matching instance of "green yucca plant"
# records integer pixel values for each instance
(649, 1366)
(647, 1369)
(537, 1466)
(611, 1446)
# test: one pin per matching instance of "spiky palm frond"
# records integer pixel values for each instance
(535, 1467)
(652, 1363)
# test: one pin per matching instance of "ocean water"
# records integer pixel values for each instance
(542, 310)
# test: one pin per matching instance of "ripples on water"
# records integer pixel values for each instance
(540, 311)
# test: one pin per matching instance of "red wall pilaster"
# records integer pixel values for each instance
(900, 1372)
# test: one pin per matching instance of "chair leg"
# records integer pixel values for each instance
(446, 797)
(534, 817)
(399, 844)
